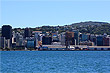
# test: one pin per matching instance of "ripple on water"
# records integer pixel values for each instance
(55, 61)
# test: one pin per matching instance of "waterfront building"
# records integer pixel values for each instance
(7, 43)
(27, 32)
(62, 38)
(88, 34)
(2, 42)
(93, 39)
(76, 36)
(59, 36)
(88, 43)
(21, 41)
(99, 47)
(17, 38)
(7, 33)
(55, 37)
(80, 37)
(106, 41)
(38, 37)
(69, 39)
(13, 37)
(55, 47)
(46, 40)
(84, 37)
(30, 42)
(99, 40)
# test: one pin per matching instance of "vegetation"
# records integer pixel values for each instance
(83, 27)
(96, 29)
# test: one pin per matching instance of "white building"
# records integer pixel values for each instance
(19, 39)
(14, 37)
(62, 38)
(7, 43)
(38, 37)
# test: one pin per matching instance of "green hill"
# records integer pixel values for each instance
(83, 27)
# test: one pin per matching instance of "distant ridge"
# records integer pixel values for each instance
(91, 27)
(89, 23)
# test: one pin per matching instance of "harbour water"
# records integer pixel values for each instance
(55, 61)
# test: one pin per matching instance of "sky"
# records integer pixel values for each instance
(36, 13)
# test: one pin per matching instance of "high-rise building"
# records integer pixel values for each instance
(7, 33)
(99, 40)
(76, 36)
(26, 32)
(93, 38)
(69, 38)
(62, 38)
(2, 42)
(38, 37)
(84, 37)
(19, 39)
(13, 37)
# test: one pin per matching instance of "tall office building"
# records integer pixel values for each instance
(19, 39)
(37, 37)
(99, 40)
(76, 36)
(84, 37)
(69, 39)
(26, 32)
(93, 38)
(7, 33)
(2, 42)
(62, 38)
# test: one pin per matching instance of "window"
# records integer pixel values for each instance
(95, 48)
(102, 49)
(108, 48)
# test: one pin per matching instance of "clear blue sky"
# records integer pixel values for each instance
(33, 13)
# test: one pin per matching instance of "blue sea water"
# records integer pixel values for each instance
(55, 61)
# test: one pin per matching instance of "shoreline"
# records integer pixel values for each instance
(54, 50)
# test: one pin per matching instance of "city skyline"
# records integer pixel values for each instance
(39, 13)
(52, 36)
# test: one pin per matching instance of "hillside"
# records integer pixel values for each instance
(91, 27)
(89, 23)
(83, 27)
